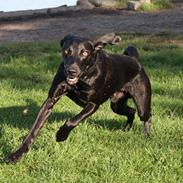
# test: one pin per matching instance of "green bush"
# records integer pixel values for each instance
(161, 4)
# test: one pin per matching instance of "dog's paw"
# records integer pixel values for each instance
(14, 157)
(127, 126)
(62, 133)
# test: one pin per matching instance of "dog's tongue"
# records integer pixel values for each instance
(72, 81)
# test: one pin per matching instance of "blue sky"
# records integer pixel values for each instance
(12, 5)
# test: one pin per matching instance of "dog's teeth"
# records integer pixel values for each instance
(72, 81)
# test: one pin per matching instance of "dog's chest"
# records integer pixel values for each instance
(80, 93)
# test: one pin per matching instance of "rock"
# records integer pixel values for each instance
(145, 1)
(134, 5)
(110, 3)
(96, 3)
(85, 3)
(104, 3)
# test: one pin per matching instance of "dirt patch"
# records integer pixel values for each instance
(92, 23)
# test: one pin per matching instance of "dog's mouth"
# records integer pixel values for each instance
(72, 80)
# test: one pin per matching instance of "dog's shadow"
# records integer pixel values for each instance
(23, 117)
(109, 124)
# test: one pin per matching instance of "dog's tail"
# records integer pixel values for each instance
(132, 52)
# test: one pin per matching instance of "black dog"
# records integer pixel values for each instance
(89, 77)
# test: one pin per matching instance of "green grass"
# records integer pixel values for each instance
(97, 151)
(157, 5)
(153, 6)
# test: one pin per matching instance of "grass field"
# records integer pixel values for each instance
(97, 151)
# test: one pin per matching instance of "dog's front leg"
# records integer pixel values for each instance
(64, 131)
(42, 116)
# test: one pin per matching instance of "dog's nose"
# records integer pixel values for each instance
(71, 72)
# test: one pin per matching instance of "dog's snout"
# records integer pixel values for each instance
(71, 72)
(72, 76)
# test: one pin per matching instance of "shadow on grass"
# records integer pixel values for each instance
(15, 116)
(110, 124)
(163, 59)
(174, 109)
(27, 77)
(173, 93)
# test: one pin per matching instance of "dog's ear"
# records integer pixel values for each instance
(66, 38)
(110, 38)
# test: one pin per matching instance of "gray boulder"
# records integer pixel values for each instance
(135, 5)
(96, 3)
(85, 3)
(145, 1)
(104, 3)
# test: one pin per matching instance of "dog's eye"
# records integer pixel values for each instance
(67, 52)
(85, 53)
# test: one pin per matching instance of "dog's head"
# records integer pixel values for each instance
(79, 54)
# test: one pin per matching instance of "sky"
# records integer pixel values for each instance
(14, 5)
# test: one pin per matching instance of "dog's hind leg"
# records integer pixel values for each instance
(119, 106)
(141, 94)
(144, 113)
